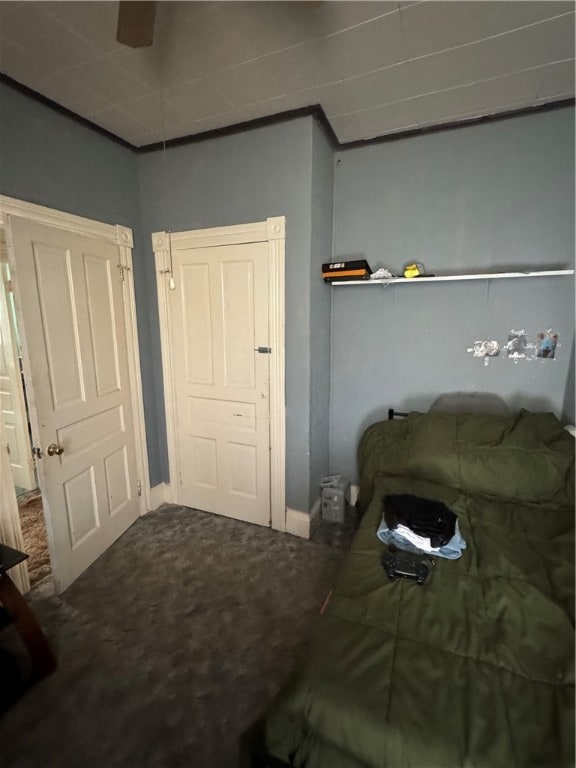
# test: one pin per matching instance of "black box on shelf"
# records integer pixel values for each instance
(346, 270)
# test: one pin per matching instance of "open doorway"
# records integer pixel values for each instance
(17, 434)
(34, 534)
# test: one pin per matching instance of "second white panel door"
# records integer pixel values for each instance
(219, 319)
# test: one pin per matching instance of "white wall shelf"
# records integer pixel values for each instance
(446, 278)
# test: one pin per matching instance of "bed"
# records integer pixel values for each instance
(476, 667)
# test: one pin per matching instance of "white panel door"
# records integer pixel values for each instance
(218, 317)
(72, 310)
(12, 403)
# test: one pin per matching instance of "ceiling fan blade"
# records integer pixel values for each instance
(136, 23)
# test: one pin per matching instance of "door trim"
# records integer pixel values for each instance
(26, 476)
(121, 236)
(273, 232)
(10, 206)
(10, 524)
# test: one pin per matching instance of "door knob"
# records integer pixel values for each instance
(55, 450)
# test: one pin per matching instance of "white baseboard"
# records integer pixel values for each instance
(300, 523)
(315, 513)
(159, 495)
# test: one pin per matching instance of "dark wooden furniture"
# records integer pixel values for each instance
(15, 610)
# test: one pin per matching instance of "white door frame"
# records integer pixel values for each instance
(10, 525)
(118, 235)
(24, 477)
(273, 232)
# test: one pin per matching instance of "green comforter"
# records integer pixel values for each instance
(475, 668)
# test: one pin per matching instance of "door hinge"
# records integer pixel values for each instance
(7, 449)
(139, 487)
(122, 268)
(9, 286)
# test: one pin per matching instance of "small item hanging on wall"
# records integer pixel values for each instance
(485, 349)
(516, 345)
(546, 343)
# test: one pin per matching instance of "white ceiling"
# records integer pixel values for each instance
(375, 67)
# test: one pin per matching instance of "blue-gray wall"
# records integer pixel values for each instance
(320, 307)
(50, 159)
(232, 180)
(492, 197)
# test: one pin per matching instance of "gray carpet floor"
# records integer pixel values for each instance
(172, 643)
